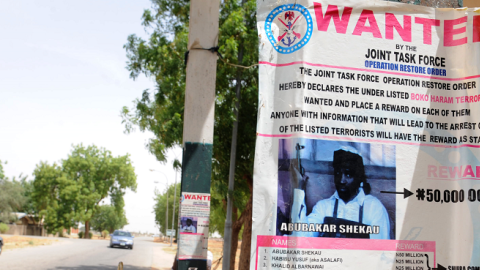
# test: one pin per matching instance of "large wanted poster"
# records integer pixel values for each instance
(367, 153)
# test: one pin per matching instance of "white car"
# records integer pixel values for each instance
(121, 239)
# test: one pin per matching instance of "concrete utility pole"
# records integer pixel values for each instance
(199, 105)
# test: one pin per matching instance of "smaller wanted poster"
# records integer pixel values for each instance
(193, 226)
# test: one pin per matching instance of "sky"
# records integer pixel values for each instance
(63, 81)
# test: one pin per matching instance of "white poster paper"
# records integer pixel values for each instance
(368, 130)
(193, 226)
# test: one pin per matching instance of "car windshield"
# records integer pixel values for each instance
(118, 233)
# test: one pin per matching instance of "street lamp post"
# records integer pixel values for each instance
(173, 214)
(174, 198)
(166, 213)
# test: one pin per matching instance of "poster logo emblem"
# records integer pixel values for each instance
(289, 28)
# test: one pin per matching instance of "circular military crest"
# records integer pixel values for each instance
(289, 27)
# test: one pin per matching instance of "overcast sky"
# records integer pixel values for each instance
(63, 81)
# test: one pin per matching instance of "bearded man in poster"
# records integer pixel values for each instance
(351, 212)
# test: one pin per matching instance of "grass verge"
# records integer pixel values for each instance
(16, 241)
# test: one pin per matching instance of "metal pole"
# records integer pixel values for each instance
(166, 214)
(174, 199)
(227, 243)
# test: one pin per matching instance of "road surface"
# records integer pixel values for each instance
(83, 254)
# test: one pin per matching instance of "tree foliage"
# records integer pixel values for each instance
(4, 228)
(28, 206)
(54, 196)
(71, 192)
(108, 218)
(12, 199)
(2, 172)
(161, 57)
(160, 208)
(14, 196)
(161, 111)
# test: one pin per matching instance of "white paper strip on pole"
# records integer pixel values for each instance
(194, 224)
(368, 141)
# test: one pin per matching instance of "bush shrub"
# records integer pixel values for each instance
(4, 228)
(82, 235)
(105, 233)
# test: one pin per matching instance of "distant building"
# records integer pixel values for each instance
(26, 224)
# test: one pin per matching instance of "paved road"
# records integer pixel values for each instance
(82, 254)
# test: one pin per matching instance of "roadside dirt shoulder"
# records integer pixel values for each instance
(16, 241)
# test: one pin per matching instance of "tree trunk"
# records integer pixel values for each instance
(246, 237)
(87, 229)
(236, 226)
(246, 221)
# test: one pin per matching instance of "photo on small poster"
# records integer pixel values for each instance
(332, 189)
(188, 224)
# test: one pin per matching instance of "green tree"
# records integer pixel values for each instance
(72, 192)
(4, 228)
(161, 111)
(2, 173)
(107, 218)
(160, 207)
(13, 197)
(54, 196)
(28, 206)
